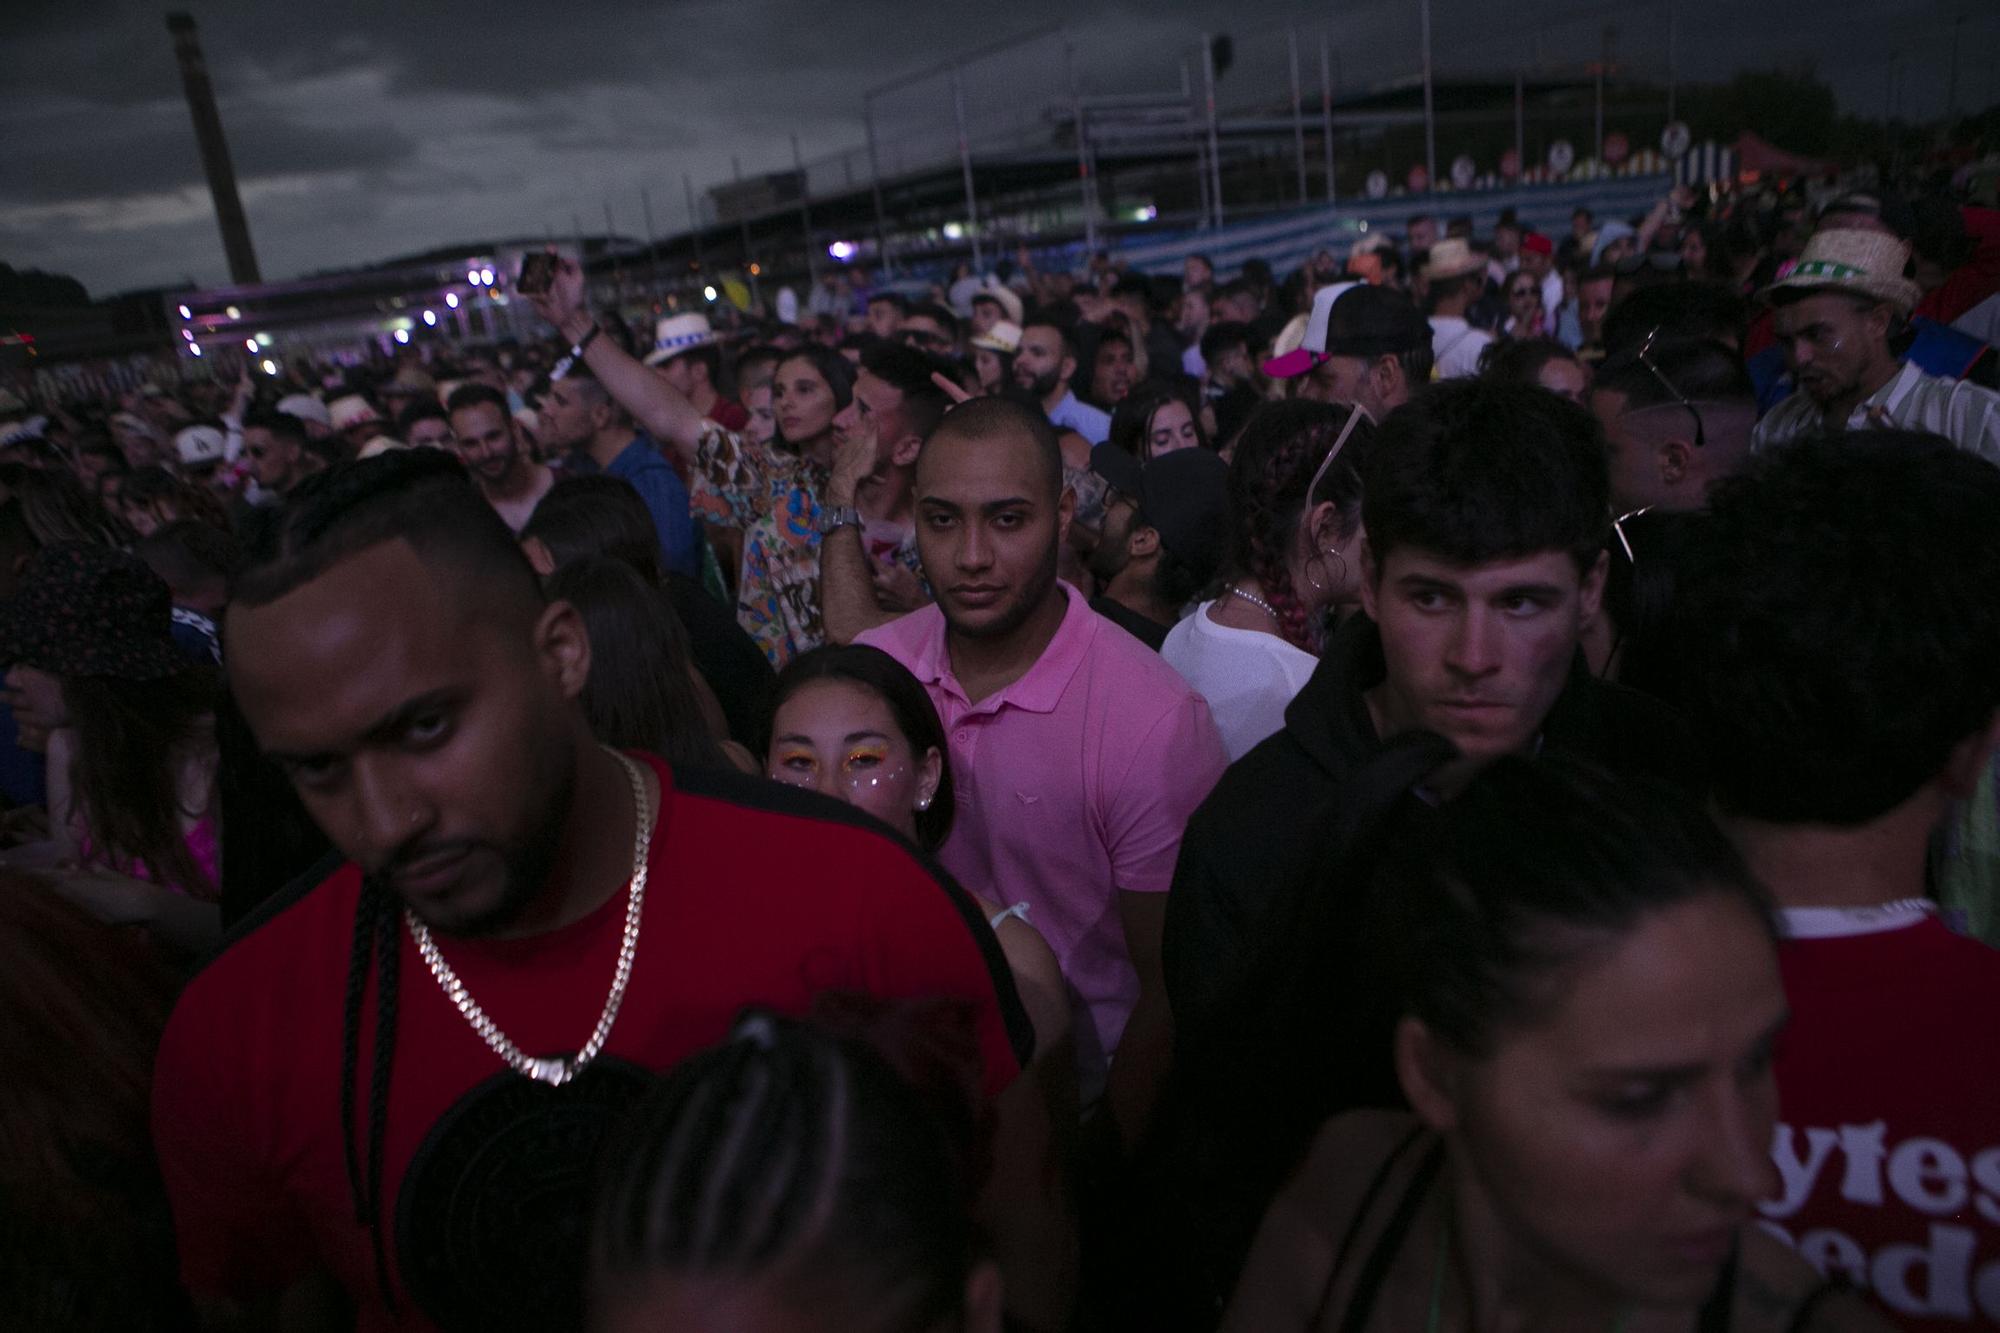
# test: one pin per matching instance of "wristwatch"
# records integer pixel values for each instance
(834, 517)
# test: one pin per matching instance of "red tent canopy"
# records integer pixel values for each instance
(1754, 153)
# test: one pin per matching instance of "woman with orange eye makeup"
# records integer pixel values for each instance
(854, 724)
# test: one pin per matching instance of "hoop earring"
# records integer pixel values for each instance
(1333, 581)
(1338, 580)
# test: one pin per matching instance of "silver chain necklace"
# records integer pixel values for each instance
(558, 1070)
(1255, 601)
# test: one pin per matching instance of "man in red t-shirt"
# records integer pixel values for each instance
(394, 1080)
(1843, 662)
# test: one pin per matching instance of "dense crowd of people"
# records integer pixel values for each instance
(1454, 789)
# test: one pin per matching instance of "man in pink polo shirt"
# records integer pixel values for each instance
(1077, 753)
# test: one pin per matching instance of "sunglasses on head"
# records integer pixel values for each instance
(1645, 358)
(1625, 541)
(1355, 414)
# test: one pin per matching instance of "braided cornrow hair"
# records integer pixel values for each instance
(1277, 455)
(792, 1154)
(377, 940)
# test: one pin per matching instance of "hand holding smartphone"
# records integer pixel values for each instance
(538, 272)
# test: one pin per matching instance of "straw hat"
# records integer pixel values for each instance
(677, 334)
(1004, 297)
(351, 411)
(1453, 258)
(307, 409)
(1003, 337)
(1866, 263)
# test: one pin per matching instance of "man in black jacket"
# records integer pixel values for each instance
(1486, 508)
(1486, 513)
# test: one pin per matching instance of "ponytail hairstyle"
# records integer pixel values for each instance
(1513, 879)
(1277, 462)
(640, 694)
(834, 1160)
(1464, 915)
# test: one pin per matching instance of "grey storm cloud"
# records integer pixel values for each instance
(362, 128)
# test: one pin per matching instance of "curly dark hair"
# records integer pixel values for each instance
(1276, 458)
(1474, 471)
(1520, 360)
(1839, 627)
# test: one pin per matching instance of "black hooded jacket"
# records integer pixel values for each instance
(1249, 837)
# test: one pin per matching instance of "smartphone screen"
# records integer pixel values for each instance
(538, 271)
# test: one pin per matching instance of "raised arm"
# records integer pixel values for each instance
(846, 575)
(662, 409)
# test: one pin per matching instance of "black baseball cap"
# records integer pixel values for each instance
(1375, 321)
(1184, 496)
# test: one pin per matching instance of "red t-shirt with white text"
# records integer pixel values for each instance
(757, 894)
(1888, 1141)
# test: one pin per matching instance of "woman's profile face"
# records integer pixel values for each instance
(1171, 428)
(802, 401)
(991, 368)
(763, 420)
(1624, 1130)
(840, 738)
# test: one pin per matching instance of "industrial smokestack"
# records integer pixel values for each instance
(214, 150)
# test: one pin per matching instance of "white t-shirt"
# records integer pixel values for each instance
(1246, 675)
(1457, 346)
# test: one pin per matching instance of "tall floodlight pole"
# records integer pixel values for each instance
(965, 164)
(1430, 107)
(1298, 110)
(1086, 181)
(875, 184)
(1214, 136)
(805, 212)
(1326, 112)
(694, 218)
(214, 147)
(1521, 122)
(652, 246)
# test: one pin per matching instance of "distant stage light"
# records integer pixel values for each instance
(232, 312)
(188, 334)
(263, 340)
(195, 348)
(709, 292)
(472, 276)
(186, 313)
(270, 366)
(486, 276)
(402, 335)
(451, 299)
(842, 250)
(431, 318)
(250, 343)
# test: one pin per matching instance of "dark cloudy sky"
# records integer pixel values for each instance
(367, 128)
